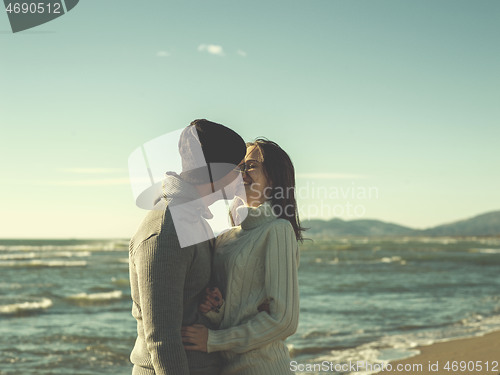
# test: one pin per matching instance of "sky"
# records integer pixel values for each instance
(390, 110)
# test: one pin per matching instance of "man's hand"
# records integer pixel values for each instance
(195, 337)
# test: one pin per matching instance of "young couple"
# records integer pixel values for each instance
(206, 307)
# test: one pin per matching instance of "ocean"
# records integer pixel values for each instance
(65, 304)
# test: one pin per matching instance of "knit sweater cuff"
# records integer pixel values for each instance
(214, 343)
(216, 317)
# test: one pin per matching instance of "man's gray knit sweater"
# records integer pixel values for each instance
(167, 283)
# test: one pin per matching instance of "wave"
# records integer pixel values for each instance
(398, 346)
(488, 251)
(93, 298)
(392, 259)
(327, 261)
(309, 350)
(18, 256)
(118, 245)
(68, 254)
(40, 263)
(30, 306)
(336, 260)
(32, 255)
(52, 248)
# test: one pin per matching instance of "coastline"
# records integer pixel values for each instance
(478, 355)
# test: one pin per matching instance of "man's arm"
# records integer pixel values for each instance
(161, 270)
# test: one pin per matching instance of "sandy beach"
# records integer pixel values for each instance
(471, 356)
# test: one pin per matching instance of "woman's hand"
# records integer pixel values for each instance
(264, 306)
(196, 337)
(212, 301)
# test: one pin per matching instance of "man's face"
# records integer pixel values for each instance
(232, 184)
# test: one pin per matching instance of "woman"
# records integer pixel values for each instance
(255, 266)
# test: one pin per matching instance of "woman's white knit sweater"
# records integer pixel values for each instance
(254, 263)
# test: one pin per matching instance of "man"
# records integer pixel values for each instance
(170, 255)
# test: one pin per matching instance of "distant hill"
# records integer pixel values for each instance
(339, 227)
(482, 225)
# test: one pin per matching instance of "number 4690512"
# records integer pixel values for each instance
(471, 366)
(33, 8)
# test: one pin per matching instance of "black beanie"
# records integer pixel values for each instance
(222, 150)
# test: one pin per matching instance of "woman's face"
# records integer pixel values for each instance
(257, 186)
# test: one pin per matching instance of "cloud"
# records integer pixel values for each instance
(331, 176)
(213, 49)
(162, 54)
(241, 53)
(91, 170)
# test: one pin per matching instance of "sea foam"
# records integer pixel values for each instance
(96, 297)
(25, 306)
(42, 263)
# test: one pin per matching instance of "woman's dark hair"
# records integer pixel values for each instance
(279, 170)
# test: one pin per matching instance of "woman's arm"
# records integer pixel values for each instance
(281, 284)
